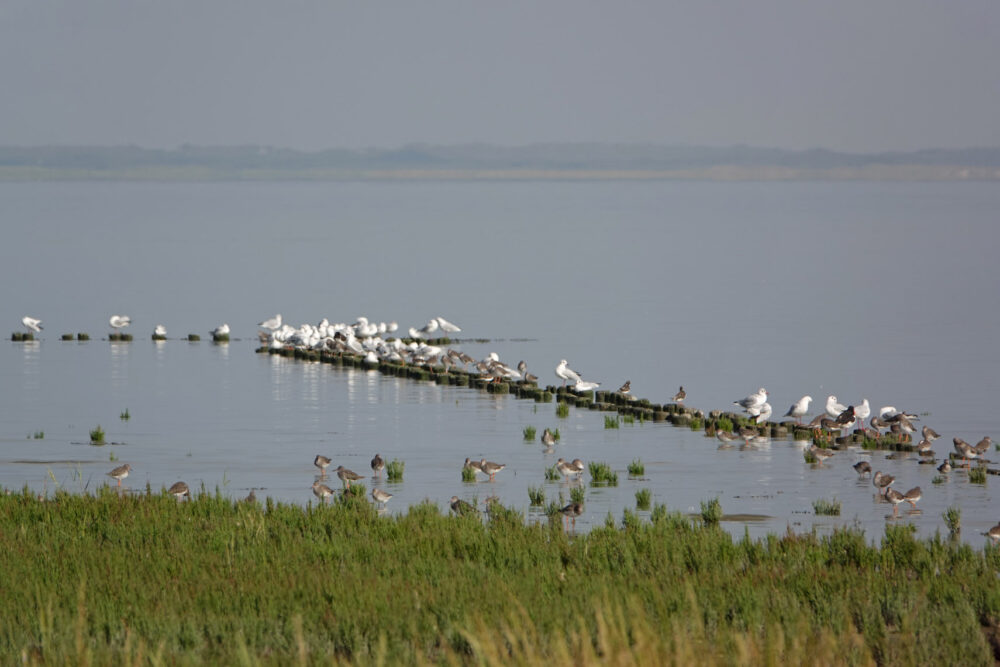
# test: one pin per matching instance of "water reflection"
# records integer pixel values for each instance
(119, 364)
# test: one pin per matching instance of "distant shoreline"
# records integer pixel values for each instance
(722, 173)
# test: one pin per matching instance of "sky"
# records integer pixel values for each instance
(852, 75)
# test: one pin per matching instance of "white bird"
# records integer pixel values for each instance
(447, 326)
(863, 411)
(566, 373)
(761, 414)
(586, 386)
(799, 408)
(833, 408)
(222, 330)
(119, 321)
(160, 330)
(273, 324)
(754, 400)
(32, 323)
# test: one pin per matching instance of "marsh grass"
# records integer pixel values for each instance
(636, 468)
(562, 410)
(552, 474)
(97, 435)
(939, 479)
(697, 424)
(39, 435)
(823, 507)
(281, 584)
(556, 434)
(628, 420)
(977, 475)
(468, 474)
(610, 422)
(725, 424)
(125, 416)
(809, 456)
(394, 470)
(536, 495)
(711, 511)
(643, 498)
(602, 475)
(953, 519)
(577, 494)
(529, 433)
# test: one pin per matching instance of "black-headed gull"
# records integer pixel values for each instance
(833, 408)
(754, 400)
(799, 408)
(32, 323)
(566, 373)
(273, 323)
(119, 321)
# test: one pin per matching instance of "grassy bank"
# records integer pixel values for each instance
(142, 578)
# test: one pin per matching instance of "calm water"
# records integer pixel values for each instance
(884, 291)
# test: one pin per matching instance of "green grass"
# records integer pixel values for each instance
(552, 474)
(536, 495)
(280, 584)
(643, 498)
(809, 456)
(125, 416)
(555, 434)
(394, 470)
(602, 475)
(711, 511)
(825, 507)
(576, 494)
(610, 422)
(977, 475)
(562, 410)
(39, 435)
(628, 419)
(697, 424)
(636, 468)
(97, 435)
(939, 479)
(529, 433)
(468, 474)
(725, 424)
(953, 519)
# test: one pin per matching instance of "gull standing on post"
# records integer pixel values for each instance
(566, 373)
(799, 409)
(119, 321)
(753, 401)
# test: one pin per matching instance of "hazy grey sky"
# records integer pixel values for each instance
(855, 75)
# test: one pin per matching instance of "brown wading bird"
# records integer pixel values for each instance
(571, 511)
(347, 476)
(625, 388)
(378, 464)
(179, 490)
(821, 453)
(993, 533)
(912, 496)
(381, 497)
(548, 438)
(966, 450)
(894, 497)
(322, 491)
(491, 468)
(882, 482)
(461, 507)
(863, 468)
(680, 395)
(321, 462)
(120, 473)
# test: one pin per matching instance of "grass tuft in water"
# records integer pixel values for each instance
(555, 434)
(725, 424)
(953, 519)
(977, 475)
(628, 419)
(529, 433)
(576, 494)
(601, 474)
(610, 422)
(869, 443)
(636, 468)
(939, 479)
(39, 435)
(824, 507)
(552, 474)
(536, 495)
(697, 424)
(711, 511)
(643, 498)
(468, 474)
(562, 410)
(125, 416)
(809, 457)
(394, 470)
(97, 435)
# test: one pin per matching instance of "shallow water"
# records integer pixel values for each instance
(880, 290)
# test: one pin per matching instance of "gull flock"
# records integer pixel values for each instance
(376, 342)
